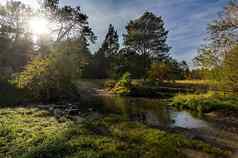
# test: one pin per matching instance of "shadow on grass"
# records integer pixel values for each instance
(30, 133)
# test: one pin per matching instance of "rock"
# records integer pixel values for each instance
(51, 109)
(58, 113)
(90, 109)
(78, 119)
(45, 107)
(73, 111)
(93, 116)
(101, 130)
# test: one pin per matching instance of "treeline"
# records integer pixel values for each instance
(47, 67)
(144, 53)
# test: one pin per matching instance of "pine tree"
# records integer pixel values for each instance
(105, 56)
(110, 45)
(147, 35)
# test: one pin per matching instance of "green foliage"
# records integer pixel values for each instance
(123, 86)
(147, 35)
(102, 65)
(34, 133)
(127, 60)
(70, 20)
(205, 102)
(230, 70)
(221, 39)
(15, 43)
(159, 72)
(50, 78)
(168, 70)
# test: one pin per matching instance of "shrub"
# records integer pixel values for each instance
(49, 78)
(123, 86)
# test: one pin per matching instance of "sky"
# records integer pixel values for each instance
(186, 20)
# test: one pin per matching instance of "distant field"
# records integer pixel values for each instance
(195, 82)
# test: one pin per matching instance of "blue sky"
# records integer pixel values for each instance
(186, 20)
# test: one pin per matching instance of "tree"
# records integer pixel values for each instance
(230, 70)
(46, 79)
(127, 60)
(66, 21)
(110, 44)
(159, 72)
(147, 35)
(222, 31)
(222, 37)
(105, 57)
(16, 44)
(51, 77)
(184, 70)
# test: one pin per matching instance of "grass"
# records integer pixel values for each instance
(206, 102)
(34, 133)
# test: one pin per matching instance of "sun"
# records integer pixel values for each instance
(39, 26)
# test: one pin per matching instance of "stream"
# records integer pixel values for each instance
(156, 113)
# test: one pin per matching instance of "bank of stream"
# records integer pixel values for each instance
(157, 114)
(217, 128)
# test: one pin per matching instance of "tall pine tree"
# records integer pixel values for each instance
(110, 45)
(148, 36)
(105, 56)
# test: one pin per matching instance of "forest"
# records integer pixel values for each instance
(59, 98)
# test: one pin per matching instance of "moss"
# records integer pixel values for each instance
(205, 102)
(33, 133)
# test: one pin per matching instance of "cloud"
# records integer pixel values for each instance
(186, 20)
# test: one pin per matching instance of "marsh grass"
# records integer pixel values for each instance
(206, 102)
(34, 133)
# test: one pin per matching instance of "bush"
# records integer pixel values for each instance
(49, 79)
(123, 86)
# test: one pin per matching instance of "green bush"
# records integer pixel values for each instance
(123, 86)
(49, 79)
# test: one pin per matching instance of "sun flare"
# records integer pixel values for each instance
(39, 25)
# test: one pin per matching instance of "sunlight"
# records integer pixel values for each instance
(38, 26)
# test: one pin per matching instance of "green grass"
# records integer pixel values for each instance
(205, 102)
(33, 133)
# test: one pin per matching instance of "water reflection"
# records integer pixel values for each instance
(186, 120)
(148, 111)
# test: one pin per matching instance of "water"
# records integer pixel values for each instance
(152, 112)
(157, 113)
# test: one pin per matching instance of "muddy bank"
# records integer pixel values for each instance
(225, 119)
